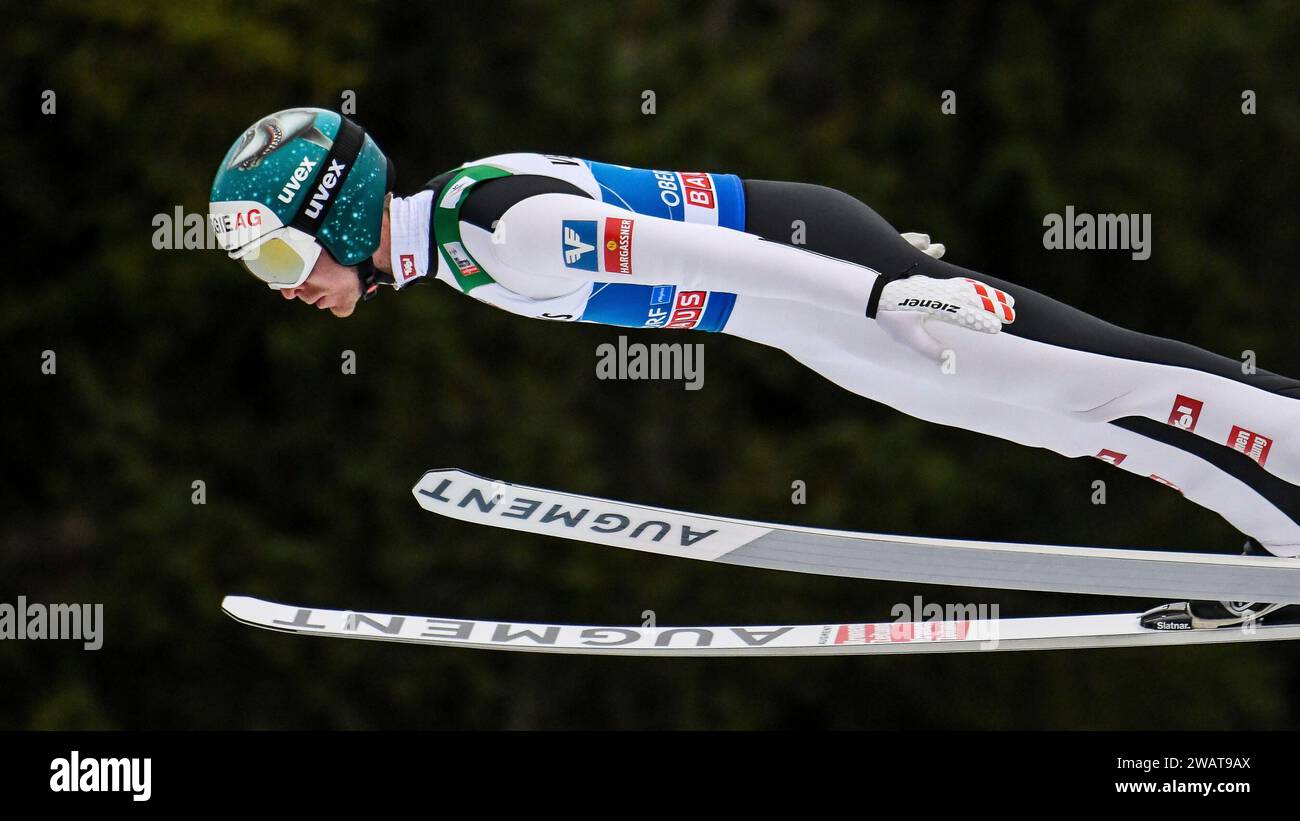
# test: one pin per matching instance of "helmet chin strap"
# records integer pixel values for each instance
(370, 278)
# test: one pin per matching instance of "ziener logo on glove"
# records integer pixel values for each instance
(913, 302)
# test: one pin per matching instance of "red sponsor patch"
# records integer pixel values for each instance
(698, 189)
(1165, 482)
(901, 632)
(618, 245)
(1250, 443)
(1186, 412)
(1114, 457)
(407, 262)
(688, 309)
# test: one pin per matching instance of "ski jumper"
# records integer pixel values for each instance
(566, 239)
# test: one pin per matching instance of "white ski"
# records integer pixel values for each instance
(1003, 565)
(1062, 632)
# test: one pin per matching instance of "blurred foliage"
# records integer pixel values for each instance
(175, 367)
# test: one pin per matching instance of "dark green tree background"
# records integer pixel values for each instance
(173, 366)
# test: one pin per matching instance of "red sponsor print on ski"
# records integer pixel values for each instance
(1186, 412)
(698, 189)
(1250, 443)
(688, 309)
(407, 262)
(618, 245)
(901, 632)
(1111, 456)
(1165, 482)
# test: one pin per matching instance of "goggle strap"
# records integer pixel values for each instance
(347, 145)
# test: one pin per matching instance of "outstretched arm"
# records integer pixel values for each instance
(551, 238)
(554, 243)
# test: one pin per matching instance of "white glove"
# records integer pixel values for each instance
(907, 304)
(921, 242)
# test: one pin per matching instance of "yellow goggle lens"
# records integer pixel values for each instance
(276, 262)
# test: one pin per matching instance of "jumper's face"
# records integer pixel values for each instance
(329, 286)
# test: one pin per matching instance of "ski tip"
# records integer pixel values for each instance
(436, 473)
(237, 606)
(432, 477)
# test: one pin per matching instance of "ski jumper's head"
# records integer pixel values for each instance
(297, 183)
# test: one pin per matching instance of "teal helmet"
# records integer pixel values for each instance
(309, 179)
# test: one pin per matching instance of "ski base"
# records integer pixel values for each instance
(988, 635)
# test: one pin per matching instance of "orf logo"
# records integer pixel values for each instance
(579, 242)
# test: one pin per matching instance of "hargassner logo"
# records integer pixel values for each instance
(579, 244)
(128, 775)
(333, 175)
(294, 185)
(618, 245)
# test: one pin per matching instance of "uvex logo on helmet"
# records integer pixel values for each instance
(333, 176)
(295, 182)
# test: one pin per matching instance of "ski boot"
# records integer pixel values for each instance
(1203, 615)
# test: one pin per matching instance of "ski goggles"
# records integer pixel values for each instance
(282, 258)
